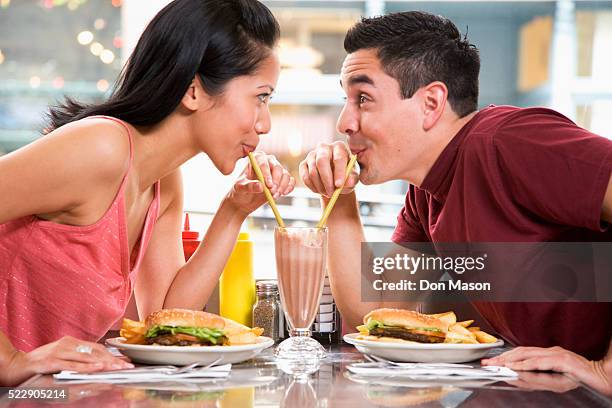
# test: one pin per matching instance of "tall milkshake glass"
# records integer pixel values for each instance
(301, 254)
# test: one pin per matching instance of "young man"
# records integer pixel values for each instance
(501, 174)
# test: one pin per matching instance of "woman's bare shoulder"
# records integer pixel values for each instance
(71, 167)
(99, 147)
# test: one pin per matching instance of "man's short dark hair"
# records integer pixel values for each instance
(418, 48)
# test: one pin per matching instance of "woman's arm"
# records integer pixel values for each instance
(196, 280)
(164, 279)
(17, 366)
(71, 174)
(164, 267)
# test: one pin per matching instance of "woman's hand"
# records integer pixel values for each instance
(247, 194)
(66, 353)
(596, 374)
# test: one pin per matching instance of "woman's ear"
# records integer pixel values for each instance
(434, 101)
(195, 97)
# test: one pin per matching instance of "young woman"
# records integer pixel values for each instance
(92, 210)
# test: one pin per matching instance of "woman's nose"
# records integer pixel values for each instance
(264, 122)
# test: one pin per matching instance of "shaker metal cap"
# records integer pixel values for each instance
(266, 286)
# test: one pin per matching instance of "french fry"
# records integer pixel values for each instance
(136, 339)
(447, 317)
(484, 337)
(133, 331)
(454, 337)
(459, 334)
(133, 326)
(474, 328)
(457, 328)
(465, 323)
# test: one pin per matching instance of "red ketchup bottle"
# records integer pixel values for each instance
(190, 239)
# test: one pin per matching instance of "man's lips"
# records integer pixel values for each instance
(358, 150)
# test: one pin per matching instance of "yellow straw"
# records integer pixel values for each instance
(257, 170)
(336, 194)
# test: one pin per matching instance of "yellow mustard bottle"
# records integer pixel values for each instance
(238, 397)
(237, 283)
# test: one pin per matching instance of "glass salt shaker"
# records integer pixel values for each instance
(266, 310)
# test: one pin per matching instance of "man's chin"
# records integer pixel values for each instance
(366, 182)
(367, 178)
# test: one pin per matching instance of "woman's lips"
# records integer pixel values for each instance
(246, 149)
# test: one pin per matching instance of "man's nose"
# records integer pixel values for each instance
(347, 121)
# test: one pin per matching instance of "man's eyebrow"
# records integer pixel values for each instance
(359, 79)
(267, 86)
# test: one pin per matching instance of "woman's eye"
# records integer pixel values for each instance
(264, 98)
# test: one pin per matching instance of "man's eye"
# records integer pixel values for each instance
(362, 99)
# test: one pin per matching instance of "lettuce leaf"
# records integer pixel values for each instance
(213, 336)
(373, 324)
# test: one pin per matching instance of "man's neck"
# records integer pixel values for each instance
(440, 137)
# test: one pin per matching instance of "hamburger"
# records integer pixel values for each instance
(403, 325)
(399, 396)
(182, 327)
(183, 399)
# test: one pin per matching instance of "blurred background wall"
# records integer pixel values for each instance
(547, 53)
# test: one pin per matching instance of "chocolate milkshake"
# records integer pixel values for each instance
(300, 264)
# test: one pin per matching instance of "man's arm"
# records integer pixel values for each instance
(322, 171)
(596, 374)
(606, 207)
(344, 259)
(344, 263)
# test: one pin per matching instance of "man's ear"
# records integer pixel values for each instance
(435, 95)
(195, 97)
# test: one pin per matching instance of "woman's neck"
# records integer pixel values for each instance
(161, 149)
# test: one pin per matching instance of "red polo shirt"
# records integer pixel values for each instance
(520, 175)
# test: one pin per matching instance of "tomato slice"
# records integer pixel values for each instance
(186, 337)
(428, 333)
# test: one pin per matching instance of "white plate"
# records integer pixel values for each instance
(421, 352)
(183, 355)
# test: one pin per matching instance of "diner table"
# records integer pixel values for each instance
(260, 382)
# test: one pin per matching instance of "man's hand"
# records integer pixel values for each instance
(596, 374)
(544, 382)
(324, 168)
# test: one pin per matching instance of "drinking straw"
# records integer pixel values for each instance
(257, 170)
(336, 194)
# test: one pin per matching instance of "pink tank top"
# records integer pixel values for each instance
(58, 280)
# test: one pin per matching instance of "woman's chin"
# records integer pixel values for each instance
(227, 167)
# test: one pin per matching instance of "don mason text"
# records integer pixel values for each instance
(423, 284)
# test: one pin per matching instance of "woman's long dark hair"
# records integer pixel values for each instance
(216, 39)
